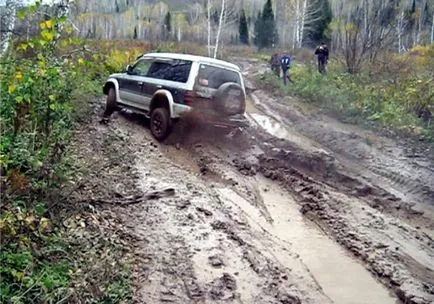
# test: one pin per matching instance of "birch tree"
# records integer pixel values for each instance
(400, 29)
(432, 29)
(221, 20)
(8, 25)
(209, 27)
(307, 13)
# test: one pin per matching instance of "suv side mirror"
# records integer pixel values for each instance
(129, 69)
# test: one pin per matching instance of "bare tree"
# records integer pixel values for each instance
(195, 12)
(307, 12)
(219, 30)
(432, 29)
(209, 26)
(8, 25)
(400, 28)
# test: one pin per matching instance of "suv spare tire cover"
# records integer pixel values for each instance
(230, 99)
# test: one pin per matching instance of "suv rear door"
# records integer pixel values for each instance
(209, 79)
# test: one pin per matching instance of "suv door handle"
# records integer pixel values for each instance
(140, 83)
(159, 86)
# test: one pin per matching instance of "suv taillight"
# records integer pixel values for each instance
(189, 98)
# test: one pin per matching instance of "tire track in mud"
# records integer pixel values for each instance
(367, 237)
(376, 161)
(342, 279)
(197, 248)
(207, 148)
(400, 254)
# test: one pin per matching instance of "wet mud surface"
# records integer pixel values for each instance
(298, 208)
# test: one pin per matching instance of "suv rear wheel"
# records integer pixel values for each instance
(160, 123)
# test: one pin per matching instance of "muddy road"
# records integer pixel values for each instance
(299, 208)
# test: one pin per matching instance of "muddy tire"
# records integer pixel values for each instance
(160, 123)
(110, 105)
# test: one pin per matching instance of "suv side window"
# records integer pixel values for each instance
(141, 67)
(173, 70)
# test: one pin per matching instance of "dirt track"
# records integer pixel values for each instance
(298, 209)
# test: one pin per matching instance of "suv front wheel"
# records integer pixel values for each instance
(160, 123)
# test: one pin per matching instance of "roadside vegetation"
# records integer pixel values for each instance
(55, 249)
(396, 94)
(47, 254)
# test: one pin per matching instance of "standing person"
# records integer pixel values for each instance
(274, 63)
(322, 52)
(285, 63)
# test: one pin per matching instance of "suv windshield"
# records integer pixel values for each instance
(173, 70)
(213, 77)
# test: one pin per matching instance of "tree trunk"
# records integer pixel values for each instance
(432, 29)
(9, 20)
(419, 27)
(302, 23)
(221, 19)
(209, 27)
(296, 25)
(400, 30)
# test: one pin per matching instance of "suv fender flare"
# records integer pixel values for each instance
(108, 83)
(162, 94)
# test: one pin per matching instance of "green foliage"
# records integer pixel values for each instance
(317, 31)
(265, 27)
(257, 29)
(44, 78)
(166, 27)
(168, 22)
(243, 28)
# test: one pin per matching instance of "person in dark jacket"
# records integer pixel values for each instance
(275, 64)
(285, 64)
(322, 52)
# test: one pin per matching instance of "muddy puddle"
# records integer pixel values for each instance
(341, 278)
(276, 129)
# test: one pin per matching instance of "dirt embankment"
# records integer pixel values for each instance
(297, 209)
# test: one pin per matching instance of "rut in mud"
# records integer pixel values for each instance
(282, 213)
(214, 234)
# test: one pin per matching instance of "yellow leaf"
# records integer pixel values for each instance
(81, 61)
(47, 35)
(49, 24)
(45, 223)
(52, 97)
(18, 76)
(12, 88)
(42, 25)
(23, 46)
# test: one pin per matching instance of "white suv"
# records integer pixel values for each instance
(164, 86)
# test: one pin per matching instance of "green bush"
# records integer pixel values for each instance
(46, 83)
(385, 103)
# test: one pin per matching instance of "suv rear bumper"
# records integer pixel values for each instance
(233, 121)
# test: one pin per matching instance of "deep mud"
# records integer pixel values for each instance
(299, 208)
